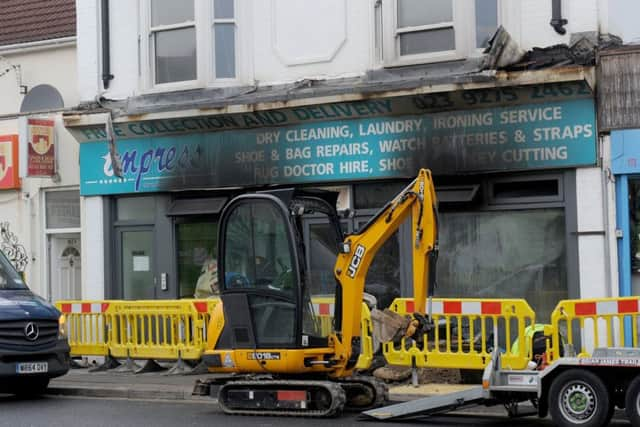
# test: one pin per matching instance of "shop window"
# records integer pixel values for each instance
(197, 259)
(322, 258)
(457, 193)
(383, 278)
(526, 190)
(506, 254)
(139, 209)
(62, 209)
(175, 53)
(415, 31)
(634, 224)
(375, 196)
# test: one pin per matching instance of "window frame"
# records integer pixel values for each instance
(203, 23)
(493, 200)
(190, 219)
(464, 26)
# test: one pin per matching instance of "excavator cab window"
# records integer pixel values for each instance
(257, 249)
(258, 264)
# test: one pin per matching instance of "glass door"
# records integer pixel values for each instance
(137, 264)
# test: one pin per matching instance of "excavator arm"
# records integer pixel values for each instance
(417, 200)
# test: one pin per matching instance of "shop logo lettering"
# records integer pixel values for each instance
(158, 161)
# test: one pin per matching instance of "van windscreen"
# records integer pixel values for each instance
(9, 277)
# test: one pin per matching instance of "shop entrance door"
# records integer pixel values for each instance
(66, 269)
(136, 263)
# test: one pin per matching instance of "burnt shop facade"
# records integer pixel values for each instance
(504, 162)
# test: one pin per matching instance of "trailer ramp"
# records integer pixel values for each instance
(425, 406)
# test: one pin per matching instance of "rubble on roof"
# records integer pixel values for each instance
(581, 50)
(503, 53)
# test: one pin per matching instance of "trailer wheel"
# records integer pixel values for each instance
(579, 398)
(632, 402)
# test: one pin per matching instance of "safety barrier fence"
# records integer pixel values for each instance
(138, 330)
(86, 326)
(323, 307)
(465, 334)
(581, 325)
(164, 330)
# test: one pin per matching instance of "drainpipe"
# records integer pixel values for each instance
(557, 22)
(106, 43)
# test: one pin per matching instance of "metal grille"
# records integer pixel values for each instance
(12, 333)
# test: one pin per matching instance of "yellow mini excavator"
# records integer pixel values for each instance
(263, 340)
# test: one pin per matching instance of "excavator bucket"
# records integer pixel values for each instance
(388, 325)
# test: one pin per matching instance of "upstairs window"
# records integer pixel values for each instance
(189, 43)
(418, 31)
(173, 41)
(224, 39)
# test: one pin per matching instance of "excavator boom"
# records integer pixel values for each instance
(417, 200)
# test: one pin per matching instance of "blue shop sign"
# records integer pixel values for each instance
(516, 137)
(625, 151)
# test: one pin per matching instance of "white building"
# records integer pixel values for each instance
(38, 80)
(211, 98)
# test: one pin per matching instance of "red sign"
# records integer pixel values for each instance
(9, 162)
(41, 148)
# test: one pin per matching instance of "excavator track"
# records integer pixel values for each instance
(363, 393)
(293, 398)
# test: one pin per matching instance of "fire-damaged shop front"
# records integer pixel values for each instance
(505, 154)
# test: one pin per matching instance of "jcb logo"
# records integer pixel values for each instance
(356, 259)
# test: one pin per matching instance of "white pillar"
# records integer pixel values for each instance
(92, 248)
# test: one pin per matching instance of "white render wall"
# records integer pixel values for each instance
(88, 45)
(288, 40)
(594, 221)
(92, 219)
(24, 208)
(55, 66)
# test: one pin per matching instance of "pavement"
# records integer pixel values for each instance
(162, 385)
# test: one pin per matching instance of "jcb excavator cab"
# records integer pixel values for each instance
(265, 291)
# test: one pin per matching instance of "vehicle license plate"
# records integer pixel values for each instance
(32, 367)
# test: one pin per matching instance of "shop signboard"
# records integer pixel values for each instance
(40, 140)
(557, 133)
(9, 178)
(625, 151)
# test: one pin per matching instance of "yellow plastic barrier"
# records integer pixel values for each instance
(86, 326)
(585, 324)
(366, 339)
(166, 329)
(323, 308)
(466, 332)
(158, 329)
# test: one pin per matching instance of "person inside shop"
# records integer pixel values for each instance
(207, 285)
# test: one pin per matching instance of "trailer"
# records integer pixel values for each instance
(576, 391)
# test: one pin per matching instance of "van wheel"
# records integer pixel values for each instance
(30, 387)
(632, 402)
(579, 398)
